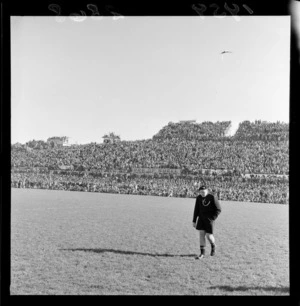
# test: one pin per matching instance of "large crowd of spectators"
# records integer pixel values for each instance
(262, 130)
(240, 155)
(189, 130)
(256, 148)
(270, 189)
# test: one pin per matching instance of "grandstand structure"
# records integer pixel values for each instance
(255, 158)
(188, 121)
(58, 141)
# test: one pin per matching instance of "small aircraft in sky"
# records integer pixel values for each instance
(225, 51)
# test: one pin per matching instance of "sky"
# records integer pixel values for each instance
(134, 75)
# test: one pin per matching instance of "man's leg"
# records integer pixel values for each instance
(202, 244)
(210, 237)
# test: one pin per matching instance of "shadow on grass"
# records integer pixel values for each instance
(245, 288)
(128, 252)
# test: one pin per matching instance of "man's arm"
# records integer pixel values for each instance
(218, 208)
(196, 211)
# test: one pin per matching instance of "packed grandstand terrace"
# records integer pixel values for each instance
(252, 165)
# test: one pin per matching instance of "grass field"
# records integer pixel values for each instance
(76, 243)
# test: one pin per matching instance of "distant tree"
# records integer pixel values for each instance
(111, 138)
(31, 143)
(52, 144)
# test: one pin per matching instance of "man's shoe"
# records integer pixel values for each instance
(199, 256)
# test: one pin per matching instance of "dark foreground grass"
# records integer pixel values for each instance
(105, 244)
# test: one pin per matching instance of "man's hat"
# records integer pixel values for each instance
(203, 187)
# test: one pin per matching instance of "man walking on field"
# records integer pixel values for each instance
(207, 208)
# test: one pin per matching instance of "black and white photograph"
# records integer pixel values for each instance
(150, 154)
